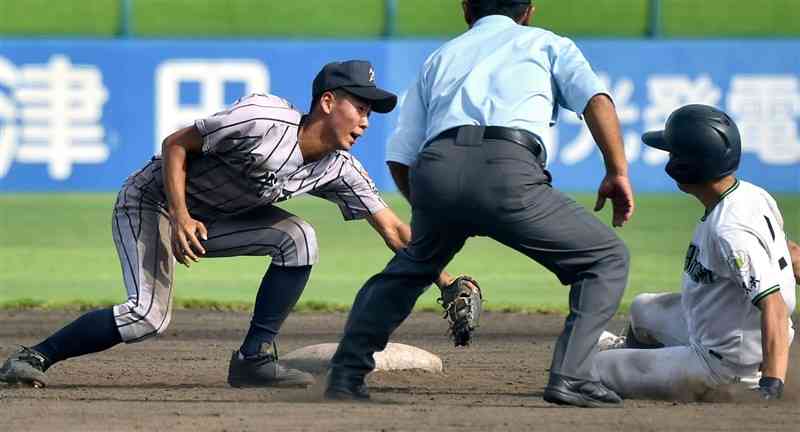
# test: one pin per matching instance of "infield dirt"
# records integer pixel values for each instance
(177, 383)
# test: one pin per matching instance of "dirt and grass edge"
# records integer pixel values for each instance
(311, 306)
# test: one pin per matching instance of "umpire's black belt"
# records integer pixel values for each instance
(519, 136)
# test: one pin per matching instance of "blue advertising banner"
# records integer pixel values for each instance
(80, 115)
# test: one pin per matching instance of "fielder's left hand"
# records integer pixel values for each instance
(462, 301)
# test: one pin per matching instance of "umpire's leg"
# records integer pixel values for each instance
(584, 253)
(387, 298)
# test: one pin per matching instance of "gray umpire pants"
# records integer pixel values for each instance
(469, 186)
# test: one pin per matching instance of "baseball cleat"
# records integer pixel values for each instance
(25, 367)
(608, 341)
(263, 370)
(344, 389)
(340, 393)
(562, 390)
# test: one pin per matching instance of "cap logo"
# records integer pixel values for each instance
(372, 75)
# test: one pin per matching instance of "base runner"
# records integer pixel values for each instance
(732, 319)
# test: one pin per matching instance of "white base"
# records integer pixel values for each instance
(316, 358)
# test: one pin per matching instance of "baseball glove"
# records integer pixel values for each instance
(462, 302)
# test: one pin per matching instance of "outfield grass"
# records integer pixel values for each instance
(731, 18)
(365, 18)
(56, 249)
(607, 18)
(306, 18)
(98, 18)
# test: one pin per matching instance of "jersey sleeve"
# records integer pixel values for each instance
(353, 191)
(409, 134)
(246, 121)
(750, 264)
(576, 83)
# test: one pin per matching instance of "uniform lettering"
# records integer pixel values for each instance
(695, 269)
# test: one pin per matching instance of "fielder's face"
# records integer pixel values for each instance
(348, 120)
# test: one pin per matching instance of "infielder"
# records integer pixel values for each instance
(212, 193)
(732, 316)
(469, 135)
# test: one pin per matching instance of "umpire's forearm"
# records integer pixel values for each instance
(601, 118)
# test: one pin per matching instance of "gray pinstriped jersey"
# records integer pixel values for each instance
(251, 158)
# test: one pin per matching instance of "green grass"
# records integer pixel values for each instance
(365, 18)
(305, 18)
(99, 18)
(628, 18)
(593, 18)
(731, 18)
(56, 251)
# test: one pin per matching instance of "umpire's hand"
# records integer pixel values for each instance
(794, 252)
(186, 245)
(618, 189)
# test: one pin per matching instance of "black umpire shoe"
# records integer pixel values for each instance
(562, 390)
(263, 370)
(25, 367)
(346, 389)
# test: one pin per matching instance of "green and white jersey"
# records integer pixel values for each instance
(738, 256)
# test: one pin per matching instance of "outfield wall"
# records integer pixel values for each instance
(80, 115)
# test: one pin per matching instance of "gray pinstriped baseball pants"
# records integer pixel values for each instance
(142, 235)
(467, 186)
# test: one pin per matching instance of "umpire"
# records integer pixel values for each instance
(468, 141)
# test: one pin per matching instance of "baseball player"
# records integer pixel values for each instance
(468, 146)
(732, 316)
(211, 194)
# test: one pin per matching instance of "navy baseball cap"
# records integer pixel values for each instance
(356, 77)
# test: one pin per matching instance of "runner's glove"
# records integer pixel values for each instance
(770, 388)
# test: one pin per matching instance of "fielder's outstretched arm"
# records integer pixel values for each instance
(397, 234)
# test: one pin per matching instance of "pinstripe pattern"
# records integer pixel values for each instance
(268, 230)
(250, 160)
(142, 232)
(345, 183)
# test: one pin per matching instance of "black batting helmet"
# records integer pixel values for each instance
(703, 144)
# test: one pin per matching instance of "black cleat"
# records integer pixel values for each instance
(26, 367)
(562, 390)
(344, 389)
(263, 370)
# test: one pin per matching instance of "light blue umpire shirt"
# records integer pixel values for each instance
(498, 73)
